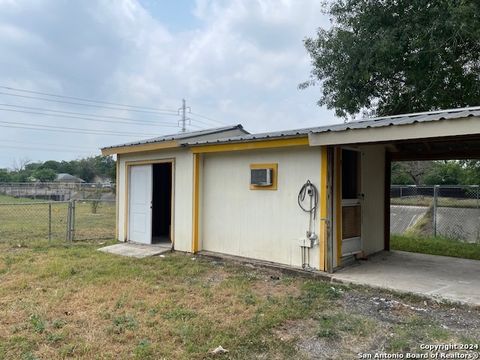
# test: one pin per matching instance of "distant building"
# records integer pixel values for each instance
(67, 178)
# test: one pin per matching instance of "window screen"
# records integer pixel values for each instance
(350, 174)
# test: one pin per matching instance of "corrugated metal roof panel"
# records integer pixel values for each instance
(181, 136)
(396, 120)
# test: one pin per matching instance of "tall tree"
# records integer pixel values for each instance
(392, 57)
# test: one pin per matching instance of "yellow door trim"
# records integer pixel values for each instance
(338, 203)
(127, 190)
(117, 200)
(140, 148)
(323, 207)
(196, 201)
(251, 145)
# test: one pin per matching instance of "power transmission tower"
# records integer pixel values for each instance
(183, 112)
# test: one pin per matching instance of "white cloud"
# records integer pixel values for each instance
(242, 64)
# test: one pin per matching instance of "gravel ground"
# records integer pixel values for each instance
(389, 321)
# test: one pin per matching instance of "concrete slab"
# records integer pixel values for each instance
(442, 277)
(136, 250)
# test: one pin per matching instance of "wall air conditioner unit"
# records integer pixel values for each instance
(261, 177)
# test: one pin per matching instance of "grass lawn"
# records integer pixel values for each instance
(13, 200)
(435, 246)
(59, 301)
(24, 219)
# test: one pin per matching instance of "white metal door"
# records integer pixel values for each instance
(140, 204)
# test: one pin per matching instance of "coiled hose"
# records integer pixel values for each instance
(312, 191)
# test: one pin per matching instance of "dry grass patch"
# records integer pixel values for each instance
(59, 301)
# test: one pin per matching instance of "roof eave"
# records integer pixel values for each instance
(153, 146)
(250, 144)
(398, 132)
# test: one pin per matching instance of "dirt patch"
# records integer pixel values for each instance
(372, 321)
(382, 306)
(276, 286)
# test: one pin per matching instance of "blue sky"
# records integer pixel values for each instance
(237, 61)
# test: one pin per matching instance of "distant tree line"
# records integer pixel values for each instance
(451, 172)
(87, 169)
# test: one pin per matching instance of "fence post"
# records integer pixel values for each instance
(435, 200)
(72, 237)
(478, 188)
(67, 232)
(49, 221)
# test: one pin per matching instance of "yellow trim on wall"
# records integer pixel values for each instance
(323, 207)
(117, 200)
(127, 190)
(196, 201)
(274, 167)
(338, 202)
(140, 148)
(251, 145)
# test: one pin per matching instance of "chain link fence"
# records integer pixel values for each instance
(60, 220)
(447, 211)
(58, 191)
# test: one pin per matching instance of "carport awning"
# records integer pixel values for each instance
(441, 124)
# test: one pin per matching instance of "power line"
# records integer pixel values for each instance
(89, 105)
(69, 129)
(46, 149)
(148, 109)
(124, 107)
(203, 122)
(89, 118)
(94, 103)
(208, 118)
(84, 99)
(44, 144)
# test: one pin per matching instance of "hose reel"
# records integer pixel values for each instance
(309, 206)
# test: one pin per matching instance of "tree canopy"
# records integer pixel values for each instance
(87, 169)
(445, 172)
(392, 57)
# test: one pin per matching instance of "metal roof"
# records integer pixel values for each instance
(181, 137)
(395, 120)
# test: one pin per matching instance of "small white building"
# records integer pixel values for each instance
(226, 191)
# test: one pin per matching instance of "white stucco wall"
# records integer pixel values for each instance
(373, 180)
(183, 175)
(260, 224)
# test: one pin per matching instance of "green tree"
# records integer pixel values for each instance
(472, 171)
(445, 173)
(105, 166)
(67, 167)
(44, 174)
(400, 175)
(51, 164)
(5, 175)
(85, 169)
(393, 57)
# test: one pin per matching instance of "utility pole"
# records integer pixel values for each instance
(183, 111)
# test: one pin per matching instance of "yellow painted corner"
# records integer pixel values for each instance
(323, 207)
(196, 201)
